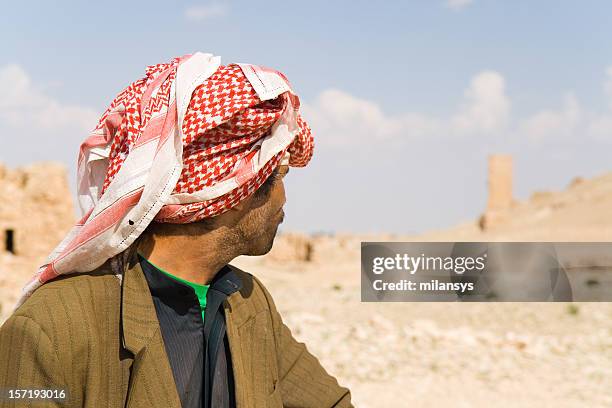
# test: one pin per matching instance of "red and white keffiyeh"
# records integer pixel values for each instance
(189, 140)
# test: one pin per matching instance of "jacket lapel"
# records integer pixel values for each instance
(238, 311)
(151, 382)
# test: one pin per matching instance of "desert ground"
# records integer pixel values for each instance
(438, 354)
(444, 354)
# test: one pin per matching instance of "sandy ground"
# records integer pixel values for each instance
(444, 354)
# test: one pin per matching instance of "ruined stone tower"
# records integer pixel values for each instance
(500, 191)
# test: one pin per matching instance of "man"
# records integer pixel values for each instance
(139, 306)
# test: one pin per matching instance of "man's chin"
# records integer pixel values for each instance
(264, 246)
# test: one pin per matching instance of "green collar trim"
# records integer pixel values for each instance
(200, 290)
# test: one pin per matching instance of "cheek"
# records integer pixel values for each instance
(279, 197)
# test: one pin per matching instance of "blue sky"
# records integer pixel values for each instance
(406, 99)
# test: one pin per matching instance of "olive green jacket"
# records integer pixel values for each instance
(98, 338)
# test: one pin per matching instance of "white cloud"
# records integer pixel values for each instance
(343, 119)
(23, 105)
(204, 12)
(34, 126)
(600, 125)
(572, 120)
(486, 108)
(608, 85)
(563, 122)
(458, 4)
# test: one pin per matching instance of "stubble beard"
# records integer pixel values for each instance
(256, 237)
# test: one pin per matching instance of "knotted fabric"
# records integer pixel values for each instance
(190, 140)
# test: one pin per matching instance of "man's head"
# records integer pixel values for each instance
(231, 126)
(248, 228)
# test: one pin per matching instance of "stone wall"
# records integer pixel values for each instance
(36, 209)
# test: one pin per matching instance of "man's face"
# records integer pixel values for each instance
(259, 225)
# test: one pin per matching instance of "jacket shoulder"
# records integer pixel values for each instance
(70, 302)
(254, 291)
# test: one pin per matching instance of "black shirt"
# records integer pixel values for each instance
(198, 351)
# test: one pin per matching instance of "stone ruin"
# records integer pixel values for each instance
(500, 191)
(36, 210)
(316, 248)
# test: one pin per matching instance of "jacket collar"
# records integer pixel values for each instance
(138, 317)
(141, 335)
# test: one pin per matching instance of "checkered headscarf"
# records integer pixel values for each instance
(190, 140)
